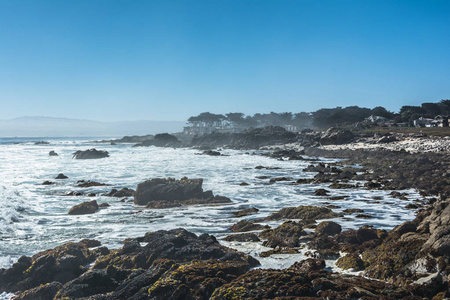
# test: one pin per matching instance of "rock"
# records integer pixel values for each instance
(52, 267)
(52, 153)
(61, 176)
(336, 136)
(87, 207)
(243, 184)
(124, 192)
(350, 261)
(303, 212)
(245, 212)
(252, 138)
(278, 250)
(285, 235)
(104, 205)
(44, 291)
(161, 140)
(211, 153)
(162, 192)
(352, 211)
(245, 225)
(363, 216)
(90, 154)
(339, 185)
(42, 143)
(387, 139)
(321, 192)
(242, 237)
(88, 284)
(328, 228)
(273, 180)
(47, 183)
(82, 183)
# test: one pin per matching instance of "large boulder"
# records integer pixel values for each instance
(87, 207)
(90, 154)
(336, 136)
(169, 192)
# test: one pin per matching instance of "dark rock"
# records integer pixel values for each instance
(82, 183)
(352, 211)
(87, 207)
(47, 183)
(52, 153)
(161, 140)
(243, 184)
(162, 192)
(321, 192)
(245, 225)
(211, 153)
(245, 212)
(285, 235)
(124, 192)
(42, 292)
(328, 228)
(88, 284)
(273, 180)
(42, 143)
(61, 176)
(242, 237)
(350, 261)
(104, 205)
(90, 154)
(252, 138)
(363, 216)
(303, 212)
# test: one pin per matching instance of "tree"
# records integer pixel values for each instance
(382, 112)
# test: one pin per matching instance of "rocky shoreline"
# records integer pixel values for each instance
(409, 262)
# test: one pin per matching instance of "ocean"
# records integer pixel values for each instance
(34, 217)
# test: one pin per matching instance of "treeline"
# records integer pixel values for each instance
(322, 118)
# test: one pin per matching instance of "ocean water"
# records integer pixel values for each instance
(34, 217)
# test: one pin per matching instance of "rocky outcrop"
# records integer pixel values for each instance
(169, 192)
(173, 264)
(252, 138)
(87, 207)
(90, 154)
(303, 213)
(336, 136)
(52, 153)
(161, 140)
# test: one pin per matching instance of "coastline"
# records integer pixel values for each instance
(416, 235)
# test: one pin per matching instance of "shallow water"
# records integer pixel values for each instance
(33, 217)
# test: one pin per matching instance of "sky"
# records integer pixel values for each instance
(113, 60)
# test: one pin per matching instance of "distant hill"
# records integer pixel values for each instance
(61, 127)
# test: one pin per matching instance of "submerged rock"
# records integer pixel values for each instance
(245, 225)
(169, 192)
(87, 207)
(83, 183)
(52, 153)
(245, 212)
(304, 213)
(90, 154)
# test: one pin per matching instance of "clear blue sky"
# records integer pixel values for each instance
(167, 60)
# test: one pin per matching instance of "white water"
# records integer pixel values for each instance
(33, 217)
